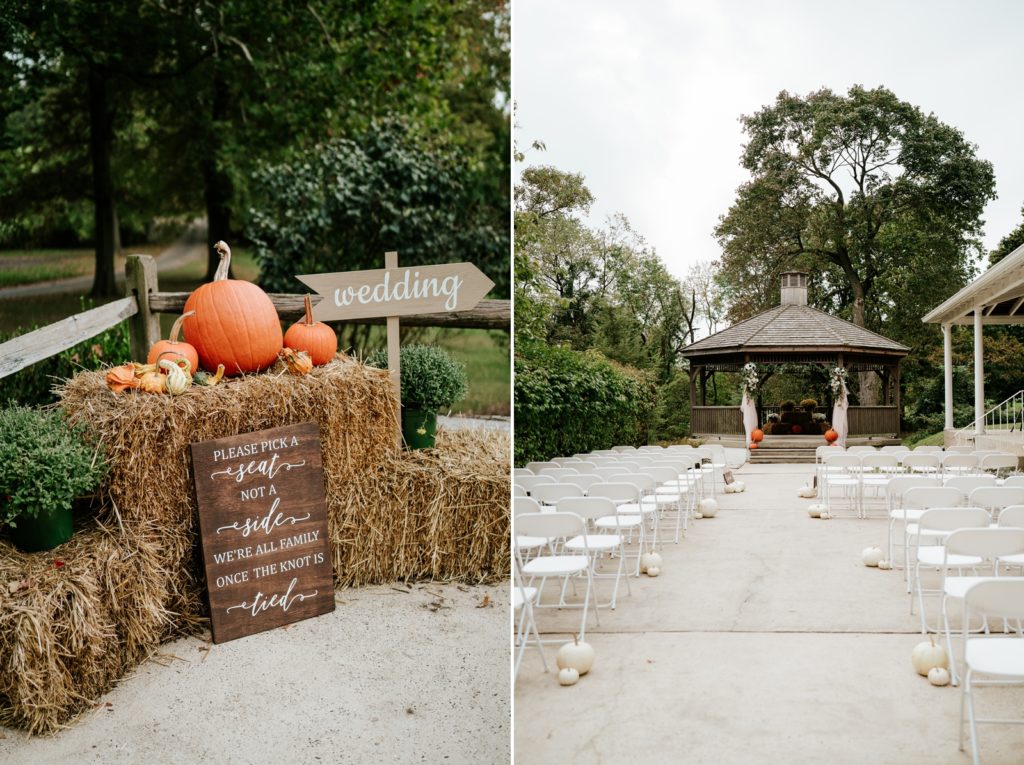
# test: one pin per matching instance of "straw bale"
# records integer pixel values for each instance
(132, 578)
(434, 514)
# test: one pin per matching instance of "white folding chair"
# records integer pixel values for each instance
(624, 449)
(623, 495)
(584, 481)
(1013, 480)
(894, 500)
(916, 462)
(550, 493)
(936, 524)
(995, 498)
(927, 449)
(990, 660)
(841, 472)
(518, 491)
(523, 599)
(536, 467)
(592, 509)
(527, 545)
(609, 473)
(959, 450)
(1000, 463)
(894, 449)
(559, 473)
(530, 482)
(915, 501)
(565, 460)
(988, 545)
(959, 464)
(877, 470)
(968, 483)
(584, 466)
(557, 525)
(521, 471)
(861, 449)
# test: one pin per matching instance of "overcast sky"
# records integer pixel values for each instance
(644, 97)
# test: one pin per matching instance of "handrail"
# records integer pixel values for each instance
(1009, 412)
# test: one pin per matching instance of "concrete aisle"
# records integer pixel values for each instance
(765, 640)
(390, 676)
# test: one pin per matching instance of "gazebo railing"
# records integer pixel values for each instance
(863, 420)
(726, 420)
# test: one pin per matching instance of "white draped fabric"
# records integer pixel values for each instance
(749, 415)
(840, 422)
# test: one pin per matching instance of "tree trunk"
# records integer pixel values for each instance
(101, 140)
(217, 187)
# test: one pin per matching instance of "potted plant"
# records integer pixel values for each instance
(44, 465)
(431, 381)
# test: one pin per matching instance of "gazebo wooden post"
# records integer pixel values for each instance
(898, 398)
(703, 387)
(693, 393)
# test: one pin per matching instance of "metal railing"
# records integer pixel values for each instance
(1006, 416)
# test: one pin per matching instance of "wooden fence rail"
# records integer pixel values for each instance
(144, 302)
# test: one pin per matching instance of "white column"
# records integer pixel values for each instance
(947, 368)
(979, 374)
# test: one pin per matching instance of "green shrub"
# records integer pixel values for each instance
(341, 205)
(567, 402)
(431, 379)
(44, 463)
(33, 385)
(672, 416)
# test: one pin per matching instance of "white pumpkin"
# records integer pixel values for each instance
(815, 510)
(643, 563)
(808, 492)
(653, 560)
(872, 556)
(576, 655)
(739, 487)
(698, 515)
(825, 515)
(730, 488)
(568, 676)
(653, 571)
(708, 508)
(885, 565)
(927, 656)
(938, 676)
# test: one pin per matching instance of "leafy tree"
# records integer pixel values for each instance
(1008, 243)
(853, 188)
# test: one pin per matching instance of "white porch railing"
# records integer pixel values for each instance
(1007, 416)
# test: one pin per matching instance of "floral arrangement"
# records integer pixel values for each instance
(836, 380)
(751, 380)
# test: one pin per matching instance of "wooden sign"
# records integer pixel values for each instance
(263, 520)
(393, 292)
(397, 291)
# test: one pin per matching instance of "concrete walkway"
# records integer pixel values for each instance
(765, 640)
(394, 674)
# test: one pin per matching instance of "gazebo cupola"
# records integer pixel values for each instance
(795, 333)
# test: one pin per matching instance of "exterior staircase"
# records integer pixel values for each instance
(786, 449)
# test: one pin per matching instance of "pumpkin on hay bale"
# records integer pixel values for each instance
(134, 577)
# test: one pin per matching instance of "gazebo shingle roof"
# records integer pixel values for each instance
(795, 326)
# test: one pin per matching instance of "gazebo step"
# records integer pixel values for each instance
(781, 455)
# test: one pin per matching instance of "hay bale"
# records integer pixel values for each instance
(133, 578)
(435, 514)
(145, 438)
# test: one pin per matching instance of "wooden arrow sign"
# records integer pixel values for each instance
(397, 291)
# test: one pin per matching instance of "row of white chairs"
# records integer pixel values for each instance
(978, 559)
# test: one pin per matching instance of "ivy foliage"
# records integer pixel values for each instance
(431, 379)
(341, 205)
(570, 401)
(44, 463)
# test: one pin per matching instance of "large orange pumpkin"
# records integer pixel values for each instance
(235, 322)
(831, 435)
(756, 434)
(313, 337)
(172, 349)
(753, 444)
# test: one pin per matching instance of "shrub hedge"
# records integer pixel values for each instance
(569, 401)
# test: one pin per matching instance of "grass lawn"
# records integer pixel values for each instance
(485, 354)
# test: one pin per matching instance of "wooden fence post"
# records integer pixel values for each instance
(141, 282)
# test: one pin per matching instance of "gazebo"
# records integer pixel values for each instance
(795, 333)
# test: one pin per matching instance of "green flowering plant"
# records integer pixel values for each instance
(431, 379)
(44, 463)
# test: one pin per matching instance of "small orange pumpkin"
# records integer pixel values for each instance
(756, 434)
(831, 435)
(234, 322)
(122, 378)
(753, 444)
(173, 350)
(797, 430)
(313, 337)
